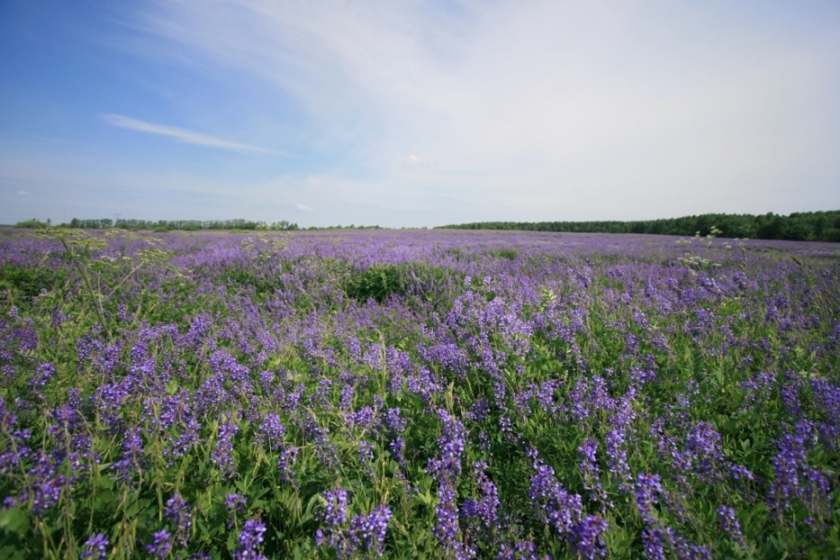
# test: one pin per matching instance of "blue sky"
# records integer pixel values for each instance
(412, 113)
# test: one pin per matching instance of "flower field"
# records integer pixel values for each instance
(417, 394)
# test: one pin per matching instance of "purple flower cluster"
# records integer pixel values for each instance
(222, 455)
(563, 512)
(95, 548)
(179, 513)
(362, 534)
(250, 540)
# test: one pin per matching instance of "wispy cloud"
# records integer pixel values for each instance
(24, 193)
(180, 134)
(593, 111)
(303, 208)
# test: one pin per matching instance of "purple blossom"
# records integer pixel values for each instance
(178, 512)
(335, 509)
(729, 523)
(368, 531)
(132, 456)
(553, 503)
(234, 506)
(587, 539)
(222, 454)
(447, 530)
(42, 375)
(250, 541)
(161, 545)
(270, 432)
(590, 473)
(521, 550)
(95, 548)
(287, 460)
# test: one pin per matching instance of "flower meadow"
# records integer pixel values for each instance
(417, 394)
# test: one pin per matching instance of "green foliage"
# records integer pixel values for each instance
(32, 224)
(381, 281)
(509, 254)
(27, 281)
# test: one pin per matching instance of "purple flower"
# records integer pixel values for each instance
(590, 474)
(451, 443)
(250, 540)
(587, 539)
(161, 545)
(178, 512)
(554, 505)
(222, 455)
(335, 510)
(95, 548)
(366, 450)
(235, 506)
(270, 432)
(132, 456)
(729, 523)
(522, 550)
(287, 460)
(447, 529)
(368, 531)
(42, 375)
(647, 492)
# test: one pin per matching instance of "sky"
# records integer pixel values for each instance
(417, 113)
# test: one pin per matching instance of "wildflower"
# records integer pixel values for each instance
(178, 512)
(95, 547)
(729, 523)
(250, 540)
(222, 455)
(161, 545)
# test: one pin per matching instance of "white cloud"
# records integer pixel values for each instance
(303, 208)
(24, 193)
(557, 110)
(180, 134)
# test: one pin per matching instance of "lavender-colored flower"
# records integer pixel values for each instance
(394, 420)
(589, 472)
(335, 510)
(161, 545)
(235, 506)
(451, 443)
(95, 548)
(653, 539)
(521, 550)
(366, 450)
(179, 513)
(729, 523)
(586, 537)
(617, 455)
(132, 456)
(287, 460)
(447, 529)
(271, 432)
(553, 503)
(368, 531)
(397, 447)
(647, 492)
(250, 540)
(42, 375)
(222, 455)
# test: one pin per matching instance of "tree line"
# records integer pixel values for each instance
(164, 225)
(799, 226)
(179, 225)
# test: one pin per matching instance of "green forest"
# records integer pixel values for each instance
(799, 226)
